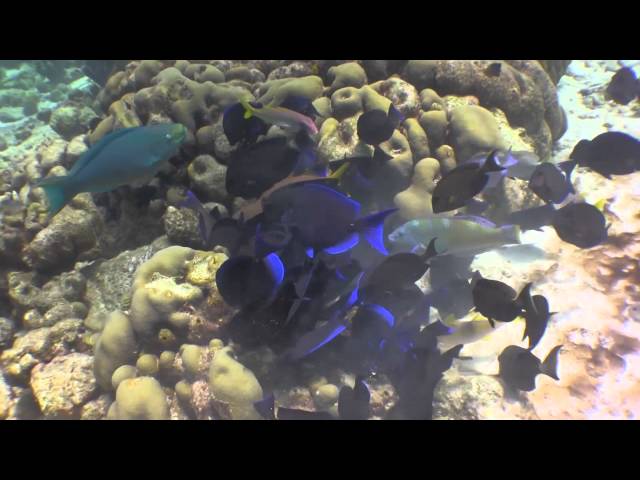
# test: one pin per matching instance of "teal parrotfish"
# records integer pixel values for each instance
(119, 158)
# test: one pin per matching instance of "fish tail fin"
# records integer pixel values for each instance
(512, 234)
(57, 193)
(248, 109)
(567, 167)
(550, 365)
(491, 164)
(380, 155)
(371, 227)
(524, 298)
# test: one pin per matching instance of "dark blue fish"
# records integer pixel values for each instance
(325, 219)
(496, 300)
(371, 325)
(238, 128)
(624, 86)
(532, 218)
(266, 407)
(536, 319)
(301, 105)
(253, 170)
(519, 367)
(377, 126)
(246, 281)
(402, 269)
(457, 187)
(353, 403)
(367, 167)
(214, 230)
(322, 335)
(581, 224)
(610, 153)
(549, 183)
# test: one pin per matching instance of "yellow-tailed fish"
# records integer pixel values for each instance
(283, 117)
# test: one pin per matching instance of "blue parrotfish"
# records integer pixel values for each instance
(120, 158)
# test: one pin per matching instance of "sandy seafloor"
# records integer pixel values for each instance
(595, 291)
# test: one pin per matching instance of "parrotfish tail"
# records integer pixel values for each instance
(512, 234)
(394, 115)
(56, 191)
(550, 365)
(372, 228)
(491, 164)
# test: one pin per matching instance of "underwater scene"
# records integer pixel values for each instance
(319, 239)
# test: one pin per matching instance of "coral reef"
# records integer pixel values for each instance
(101, 316)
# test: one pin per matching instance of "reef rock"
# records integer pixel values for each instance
(63, 385)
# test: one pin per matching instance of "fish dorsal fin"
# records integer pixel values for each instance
(94, 151)
(476, 219)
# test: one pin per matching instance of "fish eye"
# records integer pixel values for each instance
(167, 136)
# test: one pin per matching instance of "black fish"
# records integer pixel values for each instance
(238, 128)
(549, 183)
(399, 270)
(536, 320)
(376, 126)
(370, 326)
(610, 153)
(244, 280)
(624, 86)
(496, 301)
(494, 69)
(368, 167)
(581, 224)
(215, 230)
(519, 367)
(456, 188)
(353, 403)
(253, 170)
(532, 218)
(416, 383)
(266, 407)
